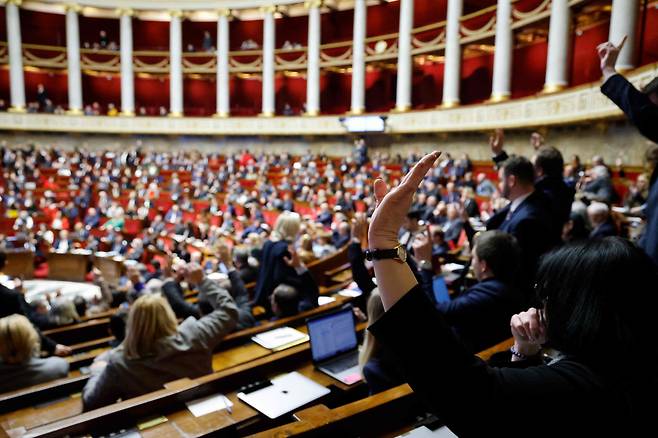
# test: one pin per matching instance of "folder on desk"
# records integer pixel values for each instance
(280, 338)
(286, 393)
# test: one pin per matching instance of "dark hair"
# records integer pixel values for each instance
(241, 255)
(80, 305)
(3, 260)
(501, 251)
(550, 161)
(600, 302)
(579, 229)
(521, 168)
(287, 300)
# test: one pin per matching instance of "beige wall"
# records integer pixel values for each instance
(610, 140)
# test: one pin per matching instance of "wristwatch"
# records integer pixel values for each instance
(399, 254)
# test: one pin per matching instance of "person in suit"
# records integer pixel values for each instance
(480, 315)
(248, 273)
(20, 365)
(602, 224)
(598, 186)
(526, 217)
(641, 108)
(279, 263)
(157, 350)
(236, 287)
(588, 386)
(453, 227)
(549, 168)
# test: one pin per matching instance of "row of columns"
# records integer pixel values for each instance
(622, 23)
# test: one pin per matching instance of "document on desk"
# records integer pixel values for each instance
(286, 393)
(206, 405)
(280, 339)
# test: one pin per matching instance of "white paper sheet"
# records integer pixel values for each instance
(206, 405)
(280, 337)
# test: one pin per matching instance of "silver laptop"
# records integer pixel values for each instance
(334, 346)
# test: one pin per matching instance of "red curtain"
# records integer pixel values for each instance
(649, 46)
(529, 69)
(477, 75)
(56, 85)
(3, 25)
(336, 97)
(150, 35)
(200, 96)
(193, 32)
(4, 86)
(42, 28)
(585, 64)
(90, 28)
(291, 91)
(151, 92)
(246, 96)
(428, 85)
(104, 89)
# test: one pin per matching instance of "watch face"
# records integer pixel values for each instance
(402, 253)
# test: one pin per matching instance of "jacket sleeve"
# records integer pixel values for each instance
(470, 397)
(102, 388)
(240, 294)
(209, 330)
(359, 271)
(636, 105)
(309, 291)
(181, 308)
(500, 158)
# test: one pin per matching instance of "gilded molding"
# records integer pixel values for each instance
(308, 4)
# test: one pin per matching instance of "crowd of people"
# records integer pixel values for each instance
(551, 266)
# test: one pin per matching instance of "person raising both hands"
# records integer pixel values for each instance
(592, 386)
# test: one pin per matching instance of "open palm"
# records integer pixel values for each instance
(393, 205)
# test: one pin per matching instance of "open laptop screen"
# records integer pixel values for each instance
(332, 334)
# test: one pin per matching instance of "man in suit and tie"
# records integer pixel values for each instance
(527, 217)
(642, 110)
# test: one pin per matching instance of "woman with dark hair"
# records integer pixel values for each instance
(598, 303)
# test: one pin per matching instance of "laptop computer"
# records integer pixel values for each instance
(441, 294)
(334, 346)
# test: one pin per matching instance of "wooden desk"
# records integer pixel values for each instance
(20, 264)
(67, 266)
(170, 400)
(110, 266)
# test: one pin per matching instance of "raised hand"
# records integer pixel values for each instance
(608, 54)
(496, 142)
(393, 205)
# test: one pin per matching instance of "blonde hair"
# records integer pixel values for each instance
(370, 347)
(287, 226)
(150, 320)
(19, 341)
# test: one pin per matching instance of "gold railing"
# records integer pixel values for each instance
(387, 50)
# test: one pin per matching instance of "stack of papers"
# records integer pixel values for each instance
(206, 405)
(280, 339)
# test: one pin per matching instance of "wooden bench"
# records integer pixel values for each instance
(64, 417)
(372, 415)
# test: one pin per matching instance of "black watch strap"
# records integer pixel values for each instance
(381, 254)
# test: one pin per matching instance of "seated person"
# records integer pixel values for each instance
(173, 291)
(602, 224)
(480, 315)
(157, 350)
(377, 364)
(284, 301)
(20, 365)
(439, 245)
(587, 386)
(248, 273)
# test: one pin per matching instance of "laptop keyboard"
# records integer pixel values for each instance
(342, 364)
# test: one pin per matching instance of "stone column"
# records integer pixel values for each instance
(358, 58)
(313, 58)
(557, 67)
(16, 79)
(223, 102)
(405, 61)
(127, 79)
(269, 43)
(453, 55)
(175, 64)
(623, 22)
(502, 77)
(73, 60)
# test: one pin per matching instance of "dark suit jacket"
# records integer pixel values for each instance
(381, 372)
(531, 226)
(274, 271)
(644, 115)
(174, 294)
(560, 197)
(567, 398)
(606, 229)
(481, 315)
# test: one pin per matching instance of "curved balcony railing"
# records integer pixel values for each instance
(475, 27)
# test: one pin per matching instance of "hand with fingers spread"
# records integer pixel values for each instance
(394, 279)
(529, 332)
(608, 54)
